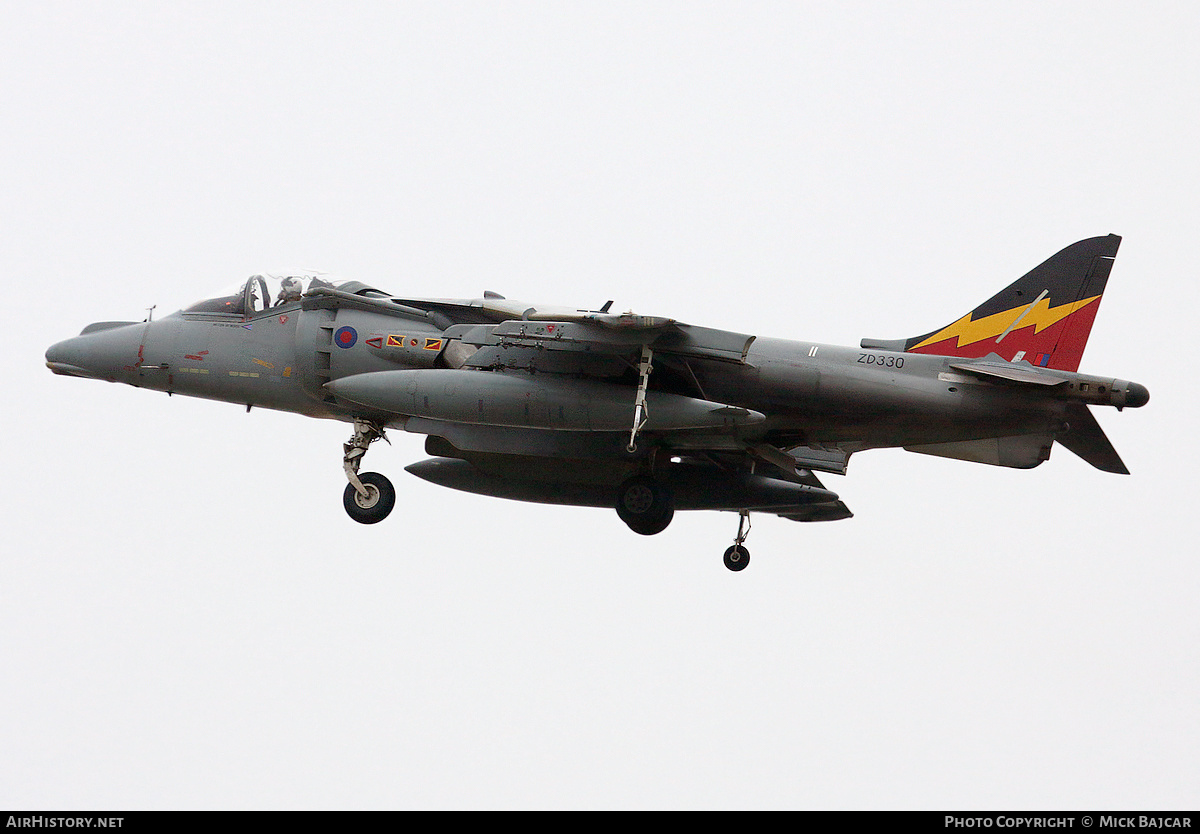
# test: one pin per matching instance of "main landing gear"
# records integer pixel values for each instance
(369, 497)
(645, 505)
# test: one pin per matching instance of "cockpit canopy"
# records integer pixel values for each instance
(262, 293)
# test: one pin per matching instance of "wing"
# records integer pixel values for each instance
(543, 404)
(602, 335)
(592, 374)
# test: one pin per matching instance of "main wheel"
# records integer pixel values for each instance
(737, 557)
(376, 504)
(645, 505)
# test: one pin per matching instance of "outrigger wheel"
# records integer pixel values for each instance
(737, 557)
(645, 505)
(376, 504)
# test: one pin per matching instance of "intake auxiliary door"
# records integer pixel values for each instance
(314, 346)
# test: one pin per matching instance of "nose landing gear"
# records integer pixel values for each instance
(369, 497)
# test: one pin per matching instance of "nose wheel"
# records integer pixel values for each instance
(369, 497)
(737, 557)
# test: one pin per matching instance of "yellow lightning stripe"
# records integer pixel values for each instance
(1041, 316)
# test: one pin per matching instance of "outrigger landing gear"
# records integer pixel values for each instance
(737, 557)
(368, 497)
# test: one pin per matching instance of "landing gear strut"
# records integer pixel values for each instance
(737, 557)
(645, 505)
(641, 411)
(369, 497)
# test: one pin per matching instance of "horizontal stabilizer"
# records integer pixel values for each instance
(1011, 371)
(1086, 439)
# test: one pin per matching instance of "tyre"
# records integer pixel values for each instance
(645, 505)
(737, 557)
(376, 504)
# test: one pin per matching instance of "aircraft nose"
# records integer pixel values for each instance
(1136, 395)
(105, 350)
(66, 358)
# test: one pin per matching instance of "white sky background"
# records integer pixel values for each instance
(189, 620)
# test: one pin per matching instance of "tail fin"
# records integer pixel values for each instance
(1043, 318)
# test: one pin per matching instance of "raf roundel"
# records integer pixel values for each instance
(345, 337)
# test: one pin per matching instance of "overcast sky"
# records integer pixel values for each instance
(188, 619)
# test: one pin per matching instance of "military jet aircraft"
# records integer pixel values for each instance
(643, 414)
